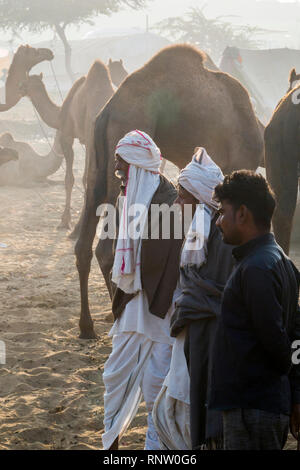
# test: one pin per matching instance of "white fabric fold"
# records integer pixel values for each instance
(138, 148)
(199, 177)
(140, 188)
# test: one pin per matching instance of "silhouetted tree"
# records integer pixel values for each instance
(209, 34)
(39, 15)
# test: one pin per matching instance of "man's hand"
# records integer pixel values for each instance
(295, 421)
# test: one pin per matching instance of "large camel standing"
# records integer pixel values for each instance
(29, 167)
(74, 119)
(24, 59)
(282, 157)
(182, 105)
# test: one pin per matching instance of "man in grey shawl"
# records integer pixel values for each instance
(180, 413)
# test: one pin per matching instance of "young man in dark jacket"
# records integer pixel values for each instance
(254, 381)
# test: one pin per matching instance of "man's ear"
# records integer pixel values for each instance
(243, 214)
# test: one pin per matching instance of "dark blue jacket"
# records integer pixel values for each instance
(260, 319)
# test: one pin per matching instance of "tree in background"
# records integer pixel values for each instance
(212, 35)
(39, 15)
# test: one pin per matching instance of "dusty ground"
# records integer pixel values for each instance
(51, 391)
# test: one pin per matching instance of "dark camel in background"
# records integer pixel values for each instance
(24, 59)
(117, 71)
(74, 119)
(282, 157)
(182, 105)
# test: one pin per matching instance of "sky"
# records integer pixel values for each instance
(238, 11)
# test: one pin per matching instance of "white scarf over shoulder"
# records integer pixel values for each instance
(144, 158)
(199, 177)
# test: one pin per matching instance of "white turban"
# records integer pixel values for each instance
(143, 157)
(137, 148)
(200, 177)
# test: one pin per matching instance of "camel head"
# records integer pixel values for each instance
(117, 71)
(31, 85)
(7, 154)
(30, 56)
(294, 77)
(6, 139)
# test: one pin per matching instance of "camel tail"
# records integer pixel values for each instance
(101, 155)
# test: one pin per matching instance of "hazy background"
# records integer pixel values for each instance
(281, 16)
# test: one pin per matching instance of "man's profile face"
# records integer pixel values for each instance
(227, 223)
(185, 197)
(121, 168)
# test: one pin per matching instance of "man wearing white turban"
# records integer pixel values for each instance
(144, 276)
(179, 412)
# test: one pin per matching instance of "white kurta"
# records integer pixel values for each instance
(137, 365)
(171, 410)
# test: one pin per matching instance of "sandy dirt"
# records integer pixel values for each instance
(51, 390)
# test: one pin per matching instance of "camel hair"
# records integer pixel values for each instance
(282, 159)
(24, 59)
(181, 105)
(7, 155)
(74, 119)
(29, 167)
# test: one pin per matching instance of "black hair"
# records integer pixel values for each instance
(247, 188)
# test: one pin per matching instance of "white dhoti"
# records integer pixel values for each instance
(136, 367)
(171, 411)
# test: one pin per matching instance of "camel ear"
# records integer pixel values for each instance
(110, 61)
(41, 75)
(292, 76)
(121, 61)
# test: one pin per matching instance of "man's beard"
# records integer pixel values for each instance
(121, 175)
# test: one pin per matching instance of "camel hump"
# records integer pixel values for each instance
(69, 97)
(98, 71)
(178, 52)
(6, 138)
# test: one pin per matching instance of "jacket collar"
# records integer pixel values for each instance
(241, 251)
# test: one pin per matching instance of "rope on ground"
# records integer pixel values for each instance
(56, 81)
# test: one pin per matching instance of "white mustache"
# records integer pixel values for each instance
(120, 174)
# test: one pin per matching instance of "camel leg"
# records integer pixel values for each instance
(84, 254)
(67, 148)
(76, 231)
(104, 254)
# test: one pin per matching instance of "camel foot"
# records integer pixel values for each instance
(87, 334)
(63, 226)
(75, 233)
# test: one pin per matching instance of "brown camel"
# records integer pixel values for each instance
(182, 105)
(74, 118)
(24, 59)
(7, 155)
(117, 71)
(29, 167)
(282, 157)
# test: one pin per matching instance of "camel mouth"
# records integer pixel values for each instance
(46, 54)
